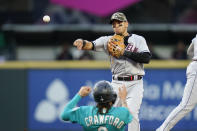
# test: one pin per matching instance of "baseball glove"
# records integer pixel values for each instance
(116, 45)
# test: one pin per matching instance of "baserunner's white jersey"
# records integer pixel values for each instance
(124, 66)
(192, 50)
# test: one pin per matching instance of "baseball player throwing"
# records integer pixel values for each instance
(102, 117)
(189, 99)
(126, 63)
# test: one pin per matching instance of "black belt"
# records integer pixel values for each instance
(128, 78)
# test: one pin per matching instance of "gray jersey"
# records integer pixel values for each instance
(124, 66)
(192, 50)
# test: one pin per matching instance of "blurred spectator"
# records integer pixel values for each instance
(2, 40)
(151, 48)
(190, 14)
(65, 54)
(86, 56)
(144, 12)
(2, 46)
(177, 8)
(62, 15)
(179, 51)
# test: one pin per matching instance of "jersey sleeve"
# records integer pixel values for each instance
(195, 47)
(100, 44)
(142, 45)
(70, 112)
(190, 50)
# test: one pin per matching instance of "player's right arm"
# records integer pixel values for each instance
(99, 44)
(83, 44)
(70, 113)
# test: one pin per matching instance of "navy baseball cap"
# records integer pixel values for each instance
(118, 16)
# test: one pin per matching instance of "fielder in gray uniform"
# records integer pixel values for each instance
(127, 69)
(189, 99)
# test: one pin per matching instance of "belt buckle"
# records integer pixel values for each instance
(128, 78)
(139, 77)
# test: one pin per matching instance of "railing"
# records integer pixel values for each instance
(99, 27)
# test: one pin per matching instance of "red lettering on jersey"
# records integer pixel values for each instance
(135, 49)
(131, 48)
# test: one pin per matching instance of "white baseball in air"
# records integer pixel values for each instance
(46, 18)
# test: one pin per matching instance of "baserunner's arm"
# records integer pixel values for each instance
(68, 108)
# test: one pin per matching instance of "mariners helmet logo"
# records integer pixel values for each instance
(102, 99)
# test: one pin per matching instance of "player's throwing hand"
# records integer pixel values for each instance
(78, 43)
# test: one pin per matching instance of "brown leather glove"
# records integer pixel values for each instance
(116, 46)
